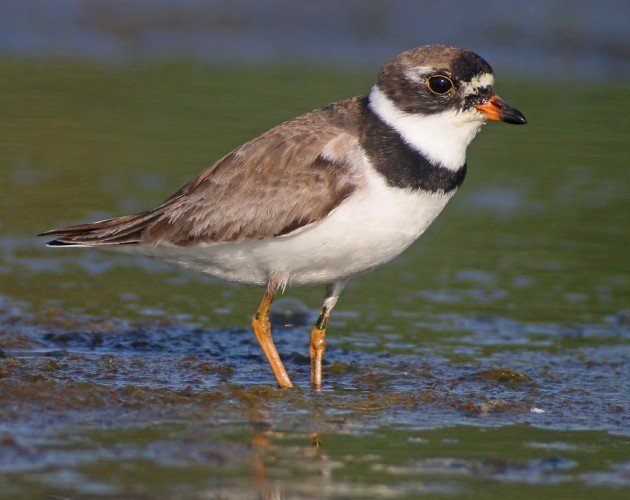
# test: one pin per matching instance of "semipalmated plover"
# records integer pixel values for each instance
(325, 196)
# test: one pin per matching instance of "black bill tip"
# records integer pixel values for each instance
(512, 115)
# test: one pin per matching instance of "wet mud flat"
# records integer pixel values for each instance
(107, 407)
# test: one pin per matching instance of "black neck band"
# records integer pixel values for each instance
(401, 165)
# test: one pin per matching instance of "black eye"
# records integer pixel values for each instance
(440, 84)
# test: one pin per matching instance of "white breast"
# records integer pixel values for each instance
(373, 226)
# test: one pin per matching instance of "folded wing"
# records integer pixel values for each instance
(289, 177)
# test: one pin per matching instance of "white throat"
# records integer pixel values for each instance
(442, 137)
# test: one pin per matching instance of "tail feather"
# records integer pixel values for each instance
(127, 230)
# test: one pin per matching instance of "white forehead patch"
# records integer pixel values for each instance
(483, 80)
(478, 82)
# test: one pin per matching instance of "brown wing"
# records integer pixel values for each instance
(289, 177)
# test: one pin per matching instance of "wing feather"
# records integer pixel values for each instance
(289, 177)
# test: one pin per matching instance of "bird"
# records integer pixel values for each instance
(325, 196)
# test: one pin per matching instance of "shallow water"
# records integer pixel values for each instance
(490, 359)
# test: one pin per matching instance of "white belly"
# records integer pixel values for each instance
(370, 228)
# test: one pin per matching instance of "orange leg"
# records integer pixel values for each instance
(318, 334)
(317, 347)
(262, 330)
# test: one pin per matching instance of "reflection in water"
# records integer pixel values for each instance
(308, 454)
